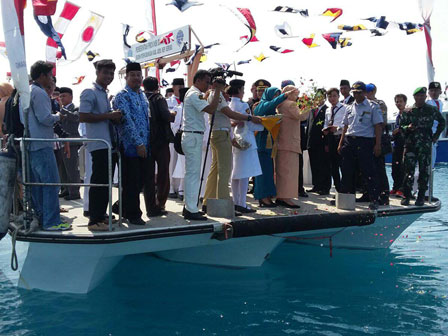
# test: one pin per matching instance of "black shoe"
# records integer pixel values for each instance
(116, 208)
(204, 209)
(313, 190)
(420, 201)
(63, 194)
(433, 199)
(184, 211)
(261, 204)
(373, 205)
(303, 194)
(383, 201)
(137, 221)
(363, 198)
(193, 216)
(181, 197)
(172, 195)
(86, 214)
(323, 192)
(405, 201)
(238, 214)
(156, 213)
(286, 205)
(333, 202)
(72, 197)
(244, 210)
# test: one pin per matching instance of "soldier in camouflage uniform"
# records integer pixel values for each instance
(416, 126)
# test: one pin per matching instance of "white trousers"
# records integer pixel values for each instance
(192, 147)
(239, 191)
(174, 182)
(87, 176)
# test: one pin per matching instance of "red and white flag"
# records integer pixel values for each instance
(86, 36)
(44, 7)
(13, 28)
(61, 25)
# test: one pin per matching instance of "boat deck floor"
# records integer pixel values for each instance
(314, 204)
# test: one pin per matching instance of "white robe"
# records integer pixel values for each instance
(245, 162)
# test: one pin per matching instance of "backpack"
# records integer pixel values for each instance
(12, 122)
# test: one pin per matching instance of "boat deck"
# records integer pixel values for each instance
(315, 213)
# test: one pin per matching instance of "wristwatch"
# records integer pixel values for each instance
(249, 117)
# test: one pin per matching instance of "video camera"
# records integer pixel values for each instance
(219, 75)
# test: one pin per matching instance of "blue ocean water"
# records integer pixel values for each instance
(300, 290)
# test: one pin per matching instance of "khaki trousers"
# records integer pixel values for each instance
(218, 179)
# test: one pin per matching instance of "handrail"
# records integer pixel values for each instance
(110, 173)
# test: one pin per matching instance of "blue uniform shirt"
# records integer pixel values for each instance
(134, 128)
(361, 118)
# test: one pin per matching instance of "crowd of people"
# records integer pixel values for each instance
(346, 138)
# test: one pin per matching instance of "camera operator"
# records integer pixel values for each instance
(193, 133)
(221, 144)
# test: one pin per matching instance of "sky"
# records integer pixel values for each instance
(396, 62)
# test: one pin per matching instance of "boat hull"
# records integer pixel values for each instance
(379, 235)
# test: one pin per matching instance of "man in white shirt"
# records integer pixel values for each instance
(333, 127)
(434, 91)
(195, 104)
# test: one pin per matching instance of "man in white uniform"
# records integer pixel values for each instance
(434, 91)
(175, 105)
(193, 123)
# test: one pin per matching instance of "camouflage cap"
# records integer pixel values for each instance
(418, 90)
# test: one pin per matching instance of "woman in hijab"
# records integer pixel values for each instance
(288, 149)
(264, 184)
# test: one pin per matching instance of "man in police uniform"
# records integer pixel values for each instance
(416, 126)
(221, 145)
(360, 141)
(193, 123)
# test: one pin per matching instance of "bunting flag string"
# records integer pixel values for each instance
(183, 5)
(281, 50)
(309, 41)
(286, 9)
(333, 12)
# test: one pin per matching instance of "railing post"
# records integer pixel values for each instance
(109, 152)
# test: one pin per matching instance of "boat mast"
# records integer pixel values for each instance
(154, 30)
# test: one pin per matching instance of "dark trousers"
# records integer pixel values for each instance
(137, 174)
(69, 169)
(161, 156)
(397, 167)
(358, 152)
(320, 169)
(383, 181)
(335, 160)
(99, 196)
(301, 188)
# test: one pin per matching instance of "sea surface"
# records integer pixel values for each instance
(300, 290)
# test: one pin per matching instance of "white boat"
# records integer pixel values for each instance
(77, 261)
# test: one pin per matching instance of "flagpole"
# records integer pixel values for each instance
(154, 30)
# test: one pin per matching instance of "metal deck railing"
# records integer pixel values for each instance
(26, 175)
